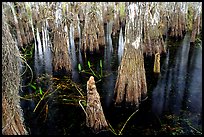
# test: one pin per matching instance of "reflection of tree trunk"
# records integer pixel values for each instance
(95, 118)
(12, 118)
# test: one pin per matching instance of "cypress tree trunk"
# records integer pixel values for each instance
(95, 118)
(93, 32)
(131, 81)
(196, 23)
(61, 58)
(12, 117)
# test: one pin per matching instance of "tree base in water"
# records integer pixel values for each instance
(95, 118)
(131, 82)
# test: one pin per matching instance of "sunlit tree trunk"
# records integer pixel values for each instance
(131, 85)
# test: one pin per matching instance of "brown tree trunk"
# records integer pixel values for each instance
(153, 29)
(195, 30)
(12, 115)
(93, 33)
(131, 80)
(16, 23)
(95, 118)
(61, 59)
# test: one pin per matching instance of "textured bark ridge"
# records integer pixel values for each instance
(61, 57)
(131, 85)
(95, 118)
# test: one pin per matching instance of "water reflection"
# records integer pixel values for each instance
(43, 55)
(194, 86)
(120, 46)
(75, 75)
(195, 81)
(109, 79)
(179, 88)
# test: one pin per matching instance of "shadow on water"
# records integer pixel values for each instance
(176, 91)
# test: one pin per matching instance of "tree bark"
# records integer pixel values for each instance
(130, 85)
(61, 59)
(95, 118)
(12, 115)
(93, 32)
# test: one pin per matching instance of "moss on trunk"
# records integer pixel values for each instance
(12, 115)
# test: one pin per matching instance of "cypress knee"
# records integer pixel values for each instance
(95, 118)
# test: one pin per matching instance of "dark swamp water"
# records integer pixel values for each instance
(173, 107)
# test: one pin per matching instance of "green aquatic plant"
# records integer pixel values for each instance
(27, 52)
(38, 90)
(79, 67)
(89, 64)
(64, 84)
(101, 66)
(91, 71)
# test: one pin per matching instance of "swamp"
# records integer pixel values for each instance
(102, 68)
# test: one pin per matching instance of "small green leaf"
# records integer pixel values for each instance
(23, 49)
(34, 87)
(40, 91)
(79, 67)
(89, 64)
(84, 103)
(101, 63)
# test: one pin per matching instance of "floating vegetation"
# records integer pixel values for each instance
(57, 85)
